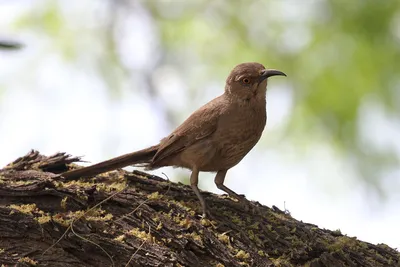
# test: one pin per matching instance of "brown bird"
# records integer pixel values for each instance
(214, 138)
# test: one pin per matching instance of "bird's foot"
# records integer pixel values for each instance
(206, 215)
(247, 205)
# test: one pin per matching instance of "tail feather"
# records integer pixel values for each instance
(139, 157)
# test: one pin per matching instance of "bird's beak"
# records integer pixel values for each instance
(270, 72)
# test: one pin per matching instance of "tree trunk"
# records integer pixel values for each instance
(135, 219)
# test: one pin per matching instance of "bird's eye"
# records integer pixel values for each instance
(246, 80)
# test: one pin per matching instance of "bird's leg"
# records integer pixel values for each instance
(219, 182)
(194, 180)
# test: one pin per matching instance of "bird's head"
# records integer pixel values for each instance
(249, 80)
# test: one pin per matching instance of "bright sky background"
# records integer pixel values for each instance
(51, 105)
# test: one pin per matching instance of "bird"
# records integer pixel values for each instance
(214, 138)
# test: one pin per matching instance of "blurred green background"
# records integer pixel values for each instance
(102, 78)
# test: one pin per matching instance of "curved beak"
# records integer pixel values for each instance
(270, 72)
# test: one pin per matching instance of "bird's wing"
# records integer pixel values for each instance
(201, 124)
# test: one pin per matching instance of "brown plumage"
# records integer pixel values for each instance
(213, 139)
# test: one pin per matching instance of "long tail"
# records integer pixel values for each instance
(141, 156)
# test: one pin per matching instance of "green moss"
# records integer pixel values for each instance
(80, 185)
(28, 260)
(255, 226)
(281, 261)
(341, 242)
(140, 234)
(281, 216)
(64, 203)
(195, 237)
(186, 222)
(75, 184)
(19, 182)
(242, 255)
(166, 240)
(25, 208)
(224, 238)
(184, 205)
(296, 242)
(251, 234)
(66, 219)
(254, 237)
(32, 210)
(120, 238)
(43, 219)
(154, 196)
(116, 186)
(237, 220)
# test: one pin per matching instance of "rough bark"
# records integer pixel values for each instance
(134, 217)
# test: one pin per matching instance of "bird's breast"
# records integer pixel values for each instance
(237, 134)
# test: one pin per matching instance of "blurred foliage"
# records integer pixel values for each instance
(336, 54)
